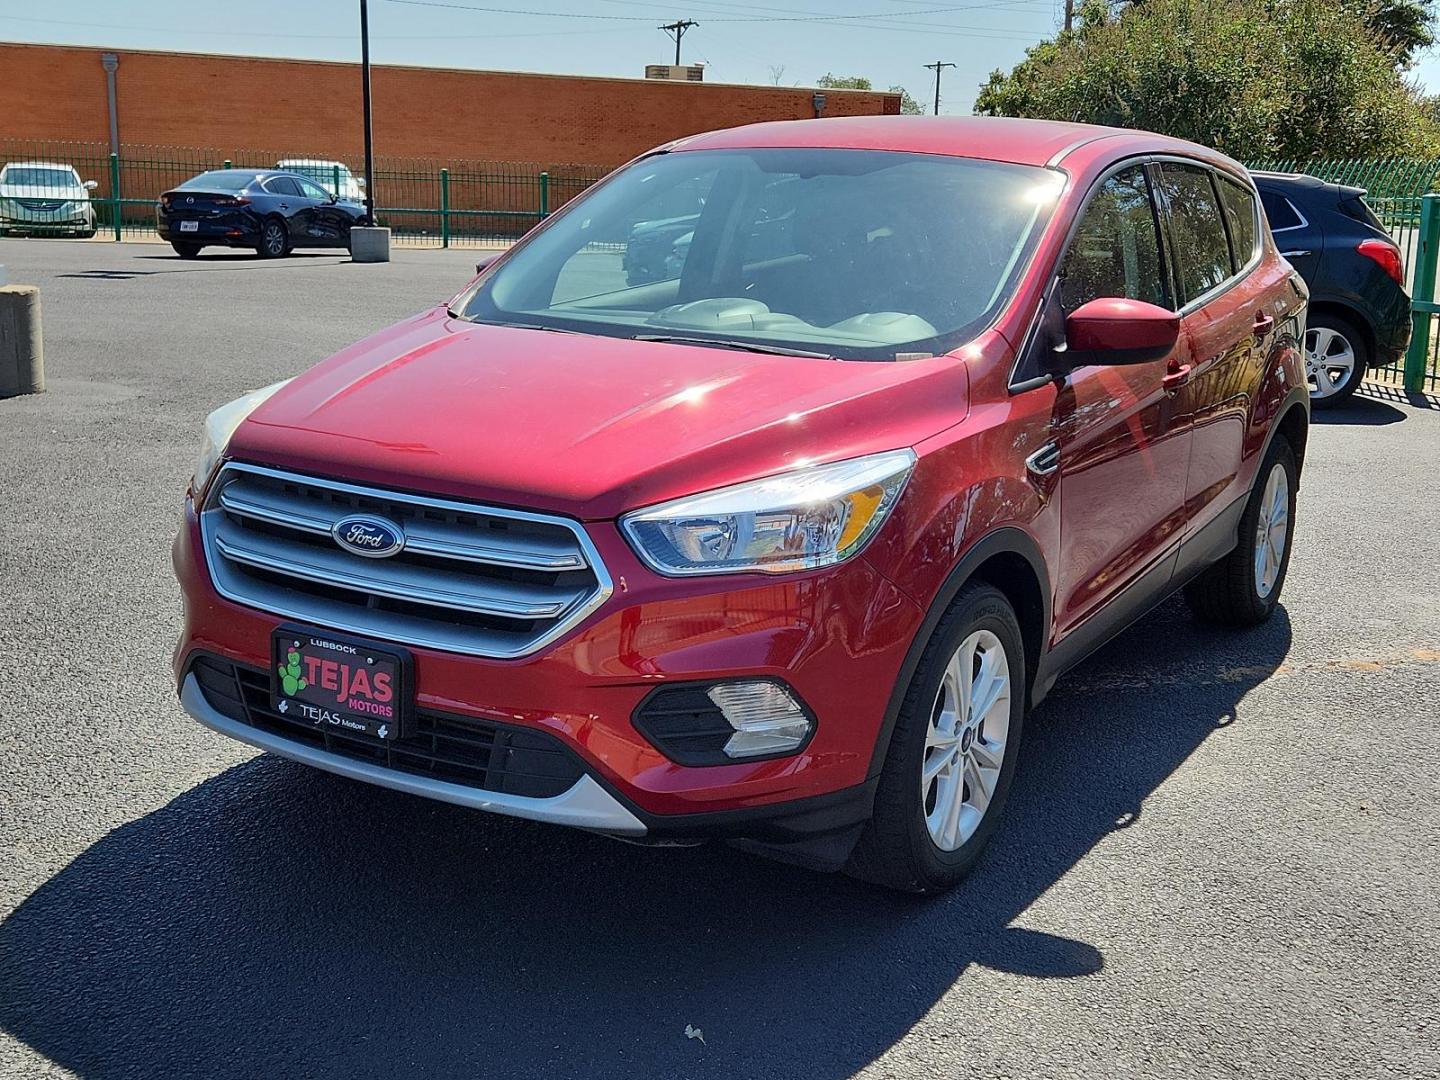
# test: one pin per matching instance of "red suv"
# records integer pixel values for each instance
(780, 543)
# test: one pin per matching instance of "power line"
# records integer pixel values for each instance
(938, 66)
(639, 18)
(677, 30)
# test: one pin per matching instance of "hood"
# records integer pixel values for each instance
(584, 425)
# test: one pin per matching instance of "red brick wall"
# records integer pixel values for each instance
(312, 108)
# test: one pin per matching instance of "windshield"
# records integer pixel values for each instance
(220, 180)
(853, 253)
(30, 176)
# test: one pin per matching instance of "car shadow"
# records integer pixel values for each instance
(220, 261)
(1359, 411)
(276, 921)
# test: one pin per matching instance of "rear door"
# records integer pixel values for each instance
(291, 205)
(1299, 239)
(1213, 226)
(1123, 456)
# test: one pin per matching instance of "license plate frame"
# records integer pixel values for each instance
(330, 683)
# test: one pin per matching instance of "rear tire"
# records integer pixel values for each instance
(1243, 589)
(185, 250)
(274, 242)
(947, 734)
(1336, 359)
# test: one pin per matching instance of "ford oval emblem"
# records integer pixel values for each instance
(368, 535)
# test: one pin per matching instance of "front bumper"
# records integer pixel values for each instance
(836, 637)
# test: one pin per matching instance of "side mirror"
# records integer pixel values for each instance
(91, 185)
(1113, 331)
(483, 263)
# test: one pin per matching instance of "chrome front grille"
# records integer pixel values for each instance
(471, 579)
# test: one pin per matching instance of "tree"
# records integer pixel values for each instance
(1254, 78)
(908, 105)
(1405, 26)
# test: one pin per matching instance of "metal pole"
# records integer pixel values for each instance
(544, 195)
(115, 192)
(110, 61)
(365, 93)
(444, 207)
(1423, 293)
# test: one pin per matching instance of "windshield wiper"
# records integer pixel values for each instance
(746, 346)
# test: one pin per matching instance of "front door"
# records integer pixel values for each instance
(1123, 450)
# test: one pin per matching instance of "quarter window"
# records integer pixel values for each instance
(1116, 249)
(1281, 214)
(1202, 253)
(1239, 203)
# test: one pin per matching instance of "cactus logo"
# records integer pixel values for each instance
(291, 681)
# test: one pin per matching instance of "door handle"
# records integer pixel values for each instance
(1176, 376)
(1263, 323)
(1297, 253)
(284, 206)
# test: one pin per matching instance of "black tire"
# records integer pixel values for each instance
(896, 849)
(274, 242)
(1344, 390)
(1228, 594)
(186, 250)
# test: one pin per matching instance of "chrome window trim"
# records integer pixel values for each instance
(1304, 221)
(603, 591)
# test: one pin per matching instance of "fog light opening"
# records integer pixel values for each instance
(766, 719)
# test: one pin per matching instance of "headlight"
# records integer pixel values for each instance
(219, 426)
(798, 520)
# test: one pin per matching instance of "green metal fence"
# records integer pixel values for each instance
(1399, 191)
(425, 202)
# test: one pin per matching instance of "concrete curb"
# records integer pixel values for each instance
(22, 355)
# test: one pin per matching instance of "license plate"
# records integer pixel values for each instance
(346, 685)
(189, 226)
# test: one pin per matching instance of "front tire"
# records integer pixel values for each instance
(953, 751)
(1243, 589)
(274, 240)
(1336, 359)
(185, 250)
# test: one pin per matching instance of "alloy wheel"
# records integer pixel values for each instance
(1329, 361)
(1272, 530)
(965, 742)
(274, 239)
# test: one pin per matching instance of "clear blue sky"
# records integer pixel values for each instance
(740, 40)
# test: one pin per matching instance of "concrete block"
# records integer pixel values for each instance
(22, 357)
(369, 244)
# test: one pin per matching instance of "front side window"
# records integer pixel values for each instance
(312, 190)
(1197, 232)
(854, 253)
(1239, 203)
(1116, 249)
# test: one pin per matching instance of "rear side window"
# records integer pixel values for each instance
(1239, 204)
(282, 185)
(1202, 252)
(1280, 213)
(1116, 250)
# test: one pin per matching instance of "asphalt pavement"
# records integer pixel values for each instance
(1219, 859)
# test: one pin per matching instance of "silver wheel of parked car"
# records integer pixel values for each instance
(273, 241)
(1330, 362)
(965, 744)
(1272, 530)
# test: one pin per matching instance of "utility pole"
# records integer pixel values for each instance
(677, 30)
(937, 67)
(365, 93)
(1069, 14)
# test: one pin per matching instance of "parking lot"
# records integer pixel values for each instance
(1218, 859)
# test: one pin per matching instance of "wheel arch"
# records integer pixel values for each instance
(1351, 314)
(1008, 559)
